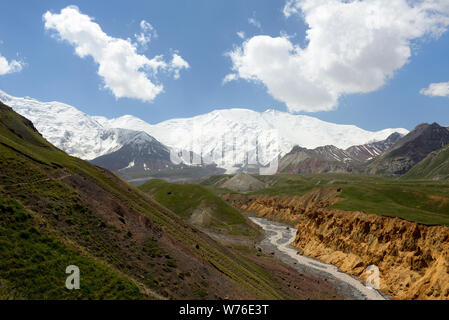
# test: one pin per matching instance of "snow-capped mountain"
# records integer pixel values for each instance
(69, 129)
(232, 137)
(141, 152)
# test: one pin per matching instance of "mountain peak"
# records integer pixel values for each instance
(423, 126)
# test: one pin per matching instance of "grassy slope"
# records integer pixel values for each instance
(435, 165)
(78, 213)
(184, 199)
(33, 259)
(422, 201)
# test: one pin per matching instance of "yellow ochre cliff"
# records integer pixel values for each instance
(413, 259)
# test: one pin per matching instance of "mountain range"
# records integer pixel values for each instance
(422, 153)
(229, 138)
(332, 159)
(233, 138)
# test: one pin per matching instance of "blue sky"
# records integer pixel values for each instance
(201, 32)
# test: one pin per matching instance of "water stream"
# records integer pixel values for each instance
(279, 236)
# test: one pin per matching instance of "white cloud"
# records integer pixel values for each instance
(9, 66)
(255, 23)
(230, 77)
(440, 89)
(352, 47)
(177, 64)
(241, 34)
(148, 32)
(125, 72)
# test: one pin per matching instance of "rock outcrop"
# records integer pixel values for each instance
(243, 182)
(413, 259)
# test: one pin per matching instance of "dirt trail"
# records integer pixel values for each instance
(37, 181)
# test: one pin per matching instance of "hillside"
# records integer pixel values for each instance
(58, 210)
(435, 166)
(200, 207)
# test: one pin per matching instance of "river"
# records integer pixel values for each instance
(277, 241)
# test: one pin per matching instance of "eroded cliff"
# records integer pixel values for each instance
(413, 259)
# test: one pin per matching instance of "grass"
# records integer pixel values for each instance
(435, 165)
(185, 199)
(422, 201)
(34, 261)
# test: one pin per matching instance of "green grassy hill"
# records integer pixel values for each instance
(57, 210)
(434, 166)
(423, 201)
(201, 207)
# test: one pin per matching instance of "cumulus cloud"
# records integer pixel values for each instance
(352, 47)
(125, 72)
(9, 66)
(440, 89)
(147, 33)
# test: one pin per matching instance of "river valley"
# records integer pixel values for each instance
(277, 241)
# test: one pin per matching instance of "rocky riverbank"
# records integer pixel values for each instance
(278, 238)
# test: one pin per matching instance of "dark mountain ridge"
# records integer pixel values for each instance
(332, 159)
(410, 150)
